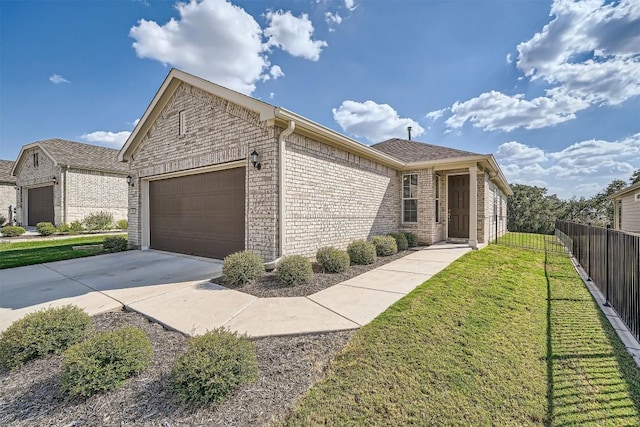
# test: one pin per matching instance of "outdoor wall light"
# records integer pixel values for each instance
(129, 181)
(255, 160)
(55, 180)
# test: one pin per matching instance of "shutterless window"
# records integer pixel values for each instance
(36, 160)
(436, 183)
(410, 198)
(182, 123)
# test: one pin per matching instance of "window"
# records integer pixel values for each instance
(35, 160)
(637, 197)
(436, 183)
(182, 123)
(410, 198)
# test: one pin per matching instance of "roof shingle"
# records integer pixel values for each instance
(83, 155)
(414, 151)
(5, 171)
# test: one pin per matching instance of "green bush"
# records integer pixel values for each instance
(361, 252)
(215, 363)
(242, 267)
(3, 220)
(76, 227)
(412, 239)
(114, 244)
(105, 361)
(123, 224)
(98, 221)
(12, 231)
(401, 241)
(294, 270)
(385, 245)
(333, 260)
(43, 332)
(45, 228)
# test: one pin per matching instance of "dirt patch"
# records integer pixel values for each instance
(267, 286)
(31, 396)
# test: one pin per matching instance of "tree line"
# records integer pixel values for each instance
(532, 210)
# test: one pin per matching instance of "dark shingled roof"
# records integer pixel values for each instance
(5, 171)
(414, 151)
(85, 156)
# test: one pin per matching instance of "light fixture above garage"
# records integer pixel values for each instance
(55, 180)
(129, 181)
(255, 160)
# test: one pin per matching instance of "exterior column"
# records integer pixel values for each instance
(473, 207)
(616, 215)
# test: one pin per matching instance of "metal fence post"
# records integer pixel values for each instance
(606, 263)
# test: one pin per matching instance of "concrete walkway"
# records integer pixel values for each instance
(195, 309)
(176, 291)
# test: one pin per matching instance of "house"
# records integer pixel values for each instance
(215, 172)
(61, 181)
(626, 210)
(7, 191)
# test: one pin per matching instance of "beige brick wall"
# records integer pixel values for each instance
(92, 191)
(334, 197)
(29, 176)
(7, 199)
(424, 228)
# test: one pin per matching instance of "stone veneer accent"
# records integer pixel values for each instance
(7, 199)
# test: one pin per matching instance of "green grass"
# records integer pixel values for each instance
(41, 251)
(503, 336)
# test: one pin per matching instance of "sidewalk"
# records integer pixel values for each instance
(195, 309)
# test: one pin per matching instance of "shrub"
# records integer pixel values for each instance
(361, 252)
(114, 244)
(123, 224)
(3, 220)
(401, 241)
(412, 239)
(43, 332)
(215, 363)
(45, 228)
(294, 270)
(333, 260)
(105, 361)
(76, 227)
(385, 245)
(12, 231)
(242, 267)
(98, 221)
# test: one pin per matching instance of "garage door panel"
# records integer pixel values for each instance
(40, 205)
(199, 214)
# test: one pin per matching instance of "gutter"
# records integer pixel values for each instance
(281, 194)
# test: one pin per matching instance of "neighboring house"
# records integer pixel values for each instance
(60, 181)
(626, 209)
(215, 171)
(7, 190)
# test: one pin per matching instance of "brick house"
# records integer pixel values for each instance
(626, 209)
(215, 171)
(61, 181)
(7, 190)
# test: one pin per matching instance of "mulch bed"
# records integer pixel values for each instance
(267, 286)
(31, 396)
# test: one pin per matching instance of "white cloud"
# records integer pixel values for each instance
(333, 18)
(435, 115)
(213, 39)
(276, 72)
(587, 55)
(57, 79)
(516, 152)
(293, 34)
(135, 122)
(271, 95)
(373, 121)
(111, 139)
(350, 4)
(508, 59)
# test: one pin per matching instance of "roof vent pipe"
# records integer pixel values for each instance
(409, 132)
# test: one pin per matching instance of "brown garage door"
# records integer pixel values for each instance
(199, 214)
(40, 207)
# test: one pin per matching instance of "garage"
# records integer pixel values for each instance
(202, 214)
(40, 205)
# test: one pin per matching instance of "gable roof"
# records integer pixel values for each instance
(5, 171)
(624, 191)
(414, 151)
(77, 154)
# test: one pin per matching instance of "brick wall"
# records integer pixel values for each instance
(28, 175)
(92, 191)
(334, 197)
(424, 228)
(7, 198)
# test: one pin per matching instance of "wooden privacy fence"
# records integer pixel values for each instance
(611, 258)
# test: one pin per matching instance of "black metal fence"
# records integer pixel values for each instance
(611, 258)
(535, 241)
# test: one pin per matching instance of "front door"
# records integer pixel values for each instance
(459, 206)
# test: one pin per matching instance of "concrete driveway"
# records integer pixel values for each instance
(101, 283)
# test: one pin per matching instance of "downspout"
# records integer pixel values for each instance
(281, 194)
(65, 195)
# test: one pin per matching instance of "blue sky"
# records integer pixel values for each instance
(551, 88)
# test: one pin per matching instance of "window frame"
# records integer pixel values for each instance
(182, 123)
(436, 184)
(36, 160)
(411, 197)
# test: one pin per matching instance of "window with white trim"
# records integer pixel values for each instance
(436, 183)
(410, 198)
(36, 160)
(182, 123)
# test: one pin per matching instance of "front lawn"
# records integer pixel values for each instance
(41, 251)
(504, 336)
